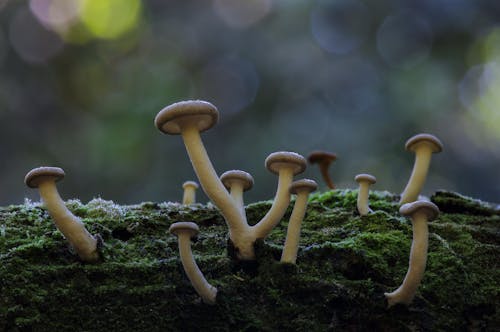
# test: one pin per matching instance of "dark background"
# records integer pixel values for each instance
(82, 80)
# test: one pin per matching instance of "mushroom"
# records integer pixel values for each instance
(301, 188)
(286, 165)
(420, 212)
(237, 182)
(73, 229)
(184, 232)
(364, 180)
(189, 196)
(423, 145)
(323, 159)
(189, 118)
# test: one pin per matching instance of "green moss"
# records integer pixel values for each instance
(345, 264)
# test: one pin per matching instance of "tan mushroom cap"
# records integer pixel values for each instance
(184, 226)
(190, 184)
(40, 174)
(237, 175)
(321, 156)
(431, 140)
(199, 112)
(365, 177)
(429, 208)
(303, 185)
(283, 159)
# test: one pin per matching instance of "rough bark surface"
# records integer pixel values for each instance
(345, 264)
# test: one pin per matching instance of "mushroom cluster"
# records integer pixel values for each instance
(189, 119)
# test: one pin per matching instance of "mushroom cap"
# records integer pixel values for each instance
(429, 208)
(306, 185)
(283, 159)
(321, 157)
(414, 142)
(41, 174)
(184, 227)
(237, 175)
(201, 113)
(190, 184)
(365, 178)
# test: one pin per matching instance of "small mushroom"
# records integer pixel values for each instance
(323, 159)
(286, 165)
(189, 196)
(301, 188)
(423, 145)
(420, 212)
(73, 229)
(237, 182)
(184, 232)
(364, 180)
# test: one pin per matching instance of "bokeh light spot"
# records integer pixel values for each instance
(480, 94)
(340, 26)
(111, 18)
(230, 83)
(31, 40)
(242, 14)
(57, 15)
(404, 39)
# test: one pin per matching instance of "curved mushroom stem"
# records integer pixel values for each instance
(362, 203)
(68, 224)
(289, 254)
(280, 204)
(418, 260)
(207, 292)
(418, 175)
(323, 168)
(211, 183)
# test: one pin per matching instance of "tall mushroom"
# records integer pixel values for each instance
(323, 159)
(189, 118)
(189, 195)
(73, 229)
(364, 180)
(301, 188)
(423, 145)
(420, 212)
(237, 182)
(184, 232)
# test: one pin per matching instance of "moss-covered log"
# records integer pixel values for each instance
(345, 264)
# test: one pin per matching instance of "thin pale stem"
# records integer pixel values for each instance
(236, 193)
(207, 292)
(211, 183)
(362, 203)
(189, 196)
(68, 224)
(291, 246)
(416, 267)
(280, 204)
(418, 175)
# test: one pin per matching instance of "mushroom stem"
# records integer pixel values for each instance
(418, 260)
(207, 292)
(68, 224)
(362, 202)
(418, 175)
(210, 182)
(279, 206)
(323, 168)
(291, 247)
(189, 195)
(236, 193)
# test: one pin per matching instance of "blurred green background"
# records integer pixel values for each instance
(82, 80)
